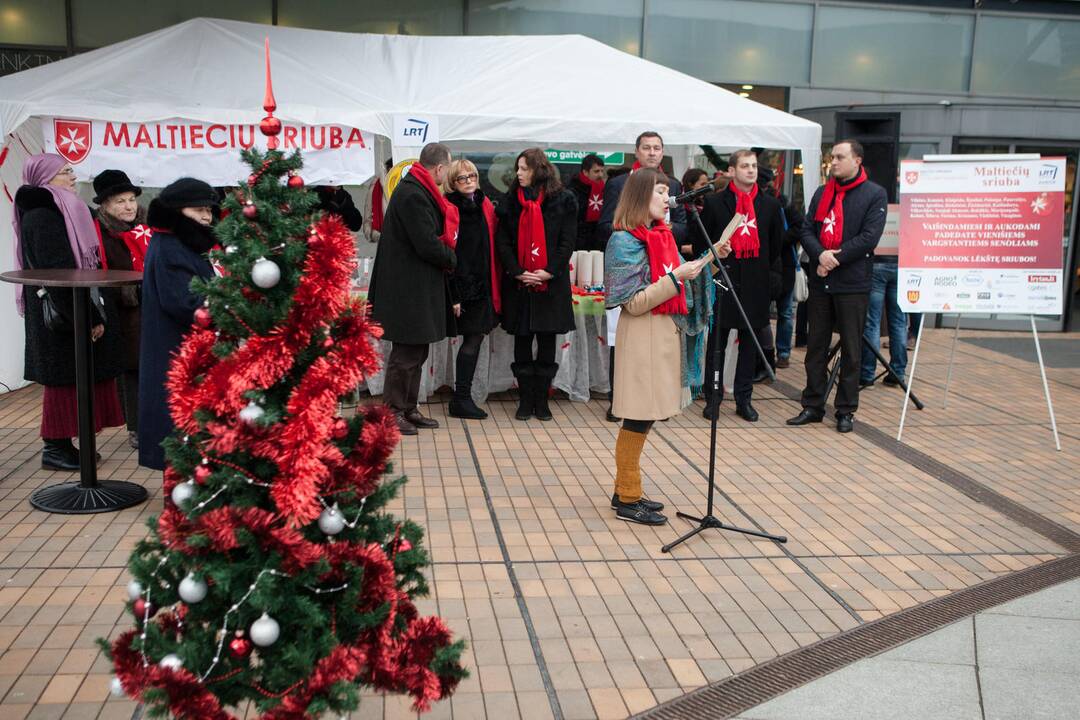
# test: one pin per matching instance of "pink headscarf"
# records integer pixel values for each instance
(37, 172)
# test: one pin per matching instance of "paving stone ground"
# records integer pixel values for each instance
(572, 614)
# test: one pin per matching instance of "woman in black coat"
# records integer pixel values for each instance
(181, 217)
(54, 229)
(537, 232)
(474, 286)
(121, 224)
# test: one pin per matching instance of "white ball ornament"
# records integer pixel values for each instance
(183, 492)
(264, 632)
(265, 273)
(171, 661)
(251, 413)
(116, 687)
(134, 590)
(331, 521)
(192, 589)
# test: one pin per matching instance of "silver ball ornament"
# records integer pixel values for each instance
(265, 631)
(134, 590)
(192, 589)
(183, 492)
(171, 661)
(116, 688)
(251, 413)
(331, 521)
(265, 273)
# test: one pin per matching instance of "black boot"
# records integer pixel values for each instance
(545, 373)
(59, 455)
(462, 405)
(523, 371)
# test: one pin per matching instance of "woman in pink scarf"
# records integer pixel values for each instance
(54, 229)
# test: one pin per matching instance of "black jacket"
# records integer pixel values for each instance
(175, 258)
(49, 357)
(127, 298)
(865, 208)
(410, 282)
(587, 235)
(470, 284)
(612, 191)
(756, 280)
(550, 311)
(339, 202)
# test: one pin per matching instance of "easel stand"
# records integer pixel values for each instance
(709, 521)
(834, 371)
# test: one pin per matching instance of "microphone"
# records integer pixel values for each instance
(674, 202)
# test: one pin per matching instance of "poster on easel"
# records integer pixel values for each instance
(982, 236)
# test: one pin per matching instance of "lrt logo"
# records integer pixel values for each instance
(415, 130)
(1048, 172)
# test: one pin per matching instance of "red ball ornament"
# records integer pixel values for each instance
(202, 317)
(240, 647)
(328, 342)
(340, 429)
(269, 126)
(404, 545)
(252, 179)
(296, 182)
(139, 607)
(250, 211)
(202, 474)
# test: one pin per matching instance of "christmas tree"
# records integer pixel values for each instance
(275, 577)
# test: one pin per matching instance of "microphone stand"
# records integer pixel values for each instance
(709, 521)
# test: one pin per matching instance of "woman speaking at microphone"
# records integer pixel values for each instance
(644, 275)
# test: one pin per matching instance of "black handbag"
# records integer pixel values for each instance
(55, 321)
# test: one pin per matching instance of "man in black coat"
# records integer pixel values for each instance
(588, 188)
(181, 216)
(843, 226)
(409, 290)
(754, 268)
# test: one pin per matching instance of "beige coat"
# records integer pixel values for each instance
(648, 357)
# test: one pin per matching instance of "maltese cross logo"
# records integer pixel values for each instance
(72, 138)
(535, 250)
(829, 222)
(1040, 205)
(142, 233)
(747, 225)
(596, 202)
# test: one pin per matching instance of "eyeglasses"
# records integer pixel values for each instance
(67, 171)
(466, 178)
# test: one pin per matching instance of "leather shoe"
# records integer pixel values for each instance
(404, 426)
(806, 417)
(783, 362)
(746, 411)
(649, 505)
(845, 422)
(419, 420)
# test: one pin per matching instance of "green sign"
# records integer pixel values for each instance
(576, 156)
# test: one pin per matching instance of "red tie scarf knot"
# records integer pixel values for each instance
(830, 210)
(745, 242)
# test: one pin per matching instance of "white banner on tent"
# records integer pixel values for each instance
(154, 154)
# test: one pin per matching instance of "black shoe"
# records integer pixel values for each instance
(762, 377)
(544, 375)
(845, 422)
(637, 513)
(404, 426)
(806, 417)
(419, 420)
(783, 362)
(462, 405)
(746, 411)
(863, 384)
(611, 418)
(650, 505)
(59, 455)
(891, 381)
(523, 371)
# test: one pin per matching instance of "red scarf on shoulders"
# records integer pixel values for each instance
(596, 197)
(531, 241)
(451, 217)
(496, 269)
(663, 258)
(745, 242)
(830, 210)
(136, 240)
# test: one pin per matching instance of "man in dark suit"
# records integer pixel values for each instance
(409, 290)
(843, 226)
(754, 268)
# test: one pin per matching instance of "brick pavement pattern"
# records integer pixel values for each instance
(570, 613)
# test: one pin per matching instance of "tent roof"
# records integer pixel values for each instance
(507, 89)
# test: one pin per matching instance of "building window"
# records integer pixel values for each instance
(33, 22)
(386, 17)
(892, 50)
(614, 22)
(103, 22)
(1027, 56)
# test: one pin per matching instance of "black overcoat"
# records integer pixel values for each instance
(127, 298)
(551, 310)
(865, 209)
(410, 282)
(177, 255)
(757, 280)
(49, 357)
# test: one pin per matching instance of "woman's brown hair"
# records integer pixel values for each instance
(544, 173)
(633, 207)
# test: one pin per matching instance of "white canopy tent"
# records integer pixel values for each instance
(482, 93)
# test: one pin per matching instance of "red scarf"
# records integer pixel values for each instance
(532, 244)
(745, 241)
(830, 210)
(376, 207)
(496, 271)
(663, 258)
(596, 198)
(451, 217)
(137, 241)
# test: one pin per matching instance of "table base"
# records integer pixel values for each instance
(74, 499)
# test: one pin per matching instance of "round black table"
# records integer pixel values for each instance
(89, 495)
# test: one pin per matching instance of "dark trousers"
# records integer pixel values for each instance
(129, 396)
(403, 368)
(745, 365)
(847, 314)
